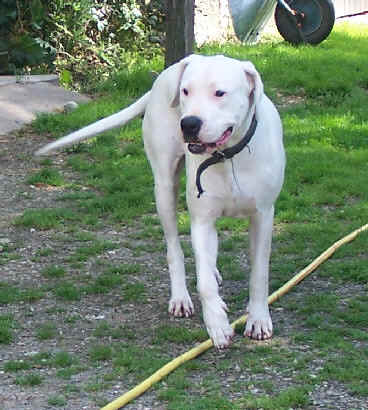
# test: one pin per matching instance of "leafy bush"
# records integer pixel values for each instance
(21, 26)
(84, 39)
(96, 36)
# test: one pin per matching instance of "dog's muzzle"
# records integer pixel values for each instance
(191, 126)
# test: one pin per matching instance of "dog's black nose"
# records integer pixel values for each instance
(190, 126)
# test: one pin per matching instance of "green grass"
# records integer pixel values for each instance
(67, 291)
(54, 271)
(83, 253)
(11, 294)
(29, 380)
(16, 365)
(47, 176)
(137, 361)
(60, 360)
(320, 328)
(104, 330)
(57, 401)
(178, 334)
(47, 218)
(100, 353)
(7, 325)
(47, 331)
(134, 292)
(289, 398)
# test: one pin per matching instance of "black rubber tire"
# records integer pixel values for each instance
(318, 21)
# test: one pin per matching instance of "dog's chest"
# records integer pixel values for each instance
(238, 196)
(229, 190)
(237, 203)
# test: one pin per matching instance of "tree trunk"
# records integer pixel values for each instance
(179, 30)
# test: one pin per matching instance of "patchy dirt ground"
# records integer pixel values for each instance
(77, 320)
(24, 271)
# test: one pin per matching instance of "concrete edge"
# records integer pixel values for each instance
(24, 79)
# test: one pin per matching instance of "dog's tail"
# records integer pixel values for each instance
(113, 121)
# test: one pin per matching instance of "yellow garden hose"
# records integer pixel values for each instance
(196, 351)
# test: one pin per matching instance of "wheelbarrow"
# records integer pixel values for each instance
(298, 21)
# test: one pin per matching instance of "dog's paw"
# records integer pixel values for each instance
(181, 306)
(221, 336)
(217, 324)
(259, 326)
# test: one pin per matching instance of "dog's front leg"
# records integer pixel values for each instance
(204, 239)
(259, 324)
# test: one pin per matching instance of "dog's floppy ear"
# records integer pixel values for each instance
(255, 82)
(178, 71)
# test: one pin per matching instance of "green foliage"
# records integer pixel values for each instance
(57, 401)
(7, 325)
(48, 176)
(88, 38)
(53, 271)
(67, 291)
(16, 366)
(11, 294)
(178, 334)
(21, 35)
(29, 380)
(47, 331)
(94, 37)
(100, 353)
(45, 218)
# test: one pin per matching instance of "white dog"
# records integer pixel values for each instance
(213, 112)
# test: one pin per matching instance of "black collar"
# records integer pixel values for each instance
(228, 153)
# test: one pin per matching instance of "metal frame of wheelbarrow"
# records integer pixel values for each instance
(298, 21)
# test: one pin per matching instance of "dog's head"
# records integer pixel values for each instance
(217, 97)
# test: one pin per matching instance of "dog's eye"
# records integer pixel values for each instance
(185, 91)
(219, 93)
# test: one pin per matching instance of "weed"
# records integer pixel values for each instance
(289, 398)
(54, 271)
(46, 218)
(63, 359)
(125, 269)
(104, 283)
(47, 176)
(100, 353)
(46, 331)
(351, 370)
(44, 252)
(134, 292)
(67, 373)
(67, 291)
(94, 249)
(16, 365)
(104, 329)
(11, 294)
(57, 401)
(211, 401)
(178, 334)
(138, 361)
(30, 380)
(8, 293)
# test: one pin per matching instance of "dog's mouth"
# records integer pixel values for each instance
(202, 147)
